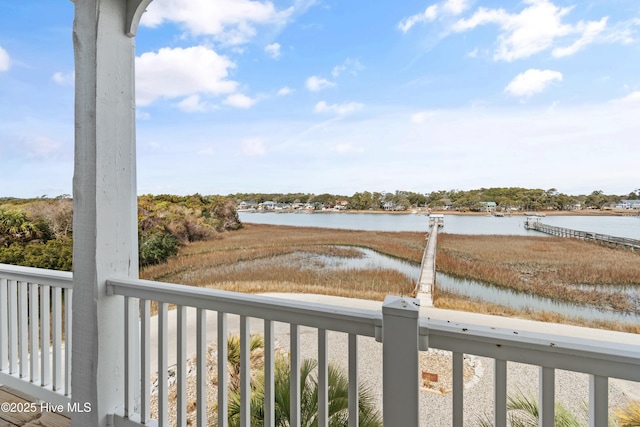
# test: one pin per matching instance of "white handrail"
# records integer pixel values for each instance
(595, 357)
(32, 357)
(341, 319)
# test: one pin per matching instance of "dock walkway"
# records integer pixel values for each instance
(633, 244)
(428, 270)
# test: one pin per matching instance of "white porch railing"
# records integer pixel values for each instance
(404, 335)
(32, 348)
(31, 299)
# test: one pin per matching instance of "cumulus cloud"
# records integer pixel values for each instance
(239, 100)
(532, 81)
(230, 21)
(64, 79)
(537, 27)
(285, 91)
(178, 72)
(339, 109)
(433, 12)
(253, 147)
(273, 50)
(5, 61)
(315, 83)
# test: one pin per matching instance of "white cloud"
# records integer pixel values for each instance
(351, 66)
(192, 104)
(64, 79)
(230, 21)
(632, 99)
(177, 72)
(285, 91)
(455, 7)
(433, 12)
(532, 81)
(339, 109)
(239, 100)
(5, 61)
(253, 147)
(273, 50)
(429, 15)
(315, 83)
(590, 31)
(534, 29)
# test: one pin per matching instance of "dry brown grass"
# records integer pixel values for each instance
(224, 263)
(451, 301)
(545, 266)
(260, 258)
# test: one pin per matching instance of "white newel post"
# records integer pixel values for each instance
(105, 200)
(400, 378)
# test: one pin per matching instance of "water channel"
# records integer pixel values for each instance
(618, 226)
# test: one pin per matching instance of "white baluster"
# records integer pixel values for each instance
(269, 379)
(163, 399)
(354, 410)
(323, 380)
(294, 385)
(201, 354)
(500, 393)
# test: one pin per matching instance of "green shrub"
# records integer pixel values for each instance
(53, 255)
(157, 248)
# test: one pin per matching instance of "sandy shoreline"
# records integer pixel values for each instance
(425, 211)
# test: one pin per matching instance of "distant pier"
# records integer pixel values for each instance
(424, 288)
(533, 223)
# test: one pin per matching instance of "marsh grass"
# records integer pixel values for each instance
(264, 258)
(260, 258)
(545, 266)
(447, 300)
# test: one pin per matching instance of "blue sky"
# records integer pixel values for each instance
(342, 96)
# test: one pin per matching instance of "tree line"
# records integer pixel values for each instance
(469, 200)
(39, 232)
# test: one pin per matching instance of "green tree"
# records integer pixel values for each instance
(338, 392)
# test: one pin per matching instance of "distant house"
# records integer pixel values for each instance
(488, 206)
(267, 206)
(246, 205)
(628, 204)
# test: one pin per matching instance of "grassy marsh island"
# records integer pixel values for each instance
(271, 258)
(267, 258)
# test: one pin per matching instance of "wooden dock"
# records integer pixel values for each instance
(30, 415)
(424, 288)
(532, 224)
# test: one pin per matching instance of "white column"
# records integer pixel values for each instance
(400, 379)
(105, 205)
